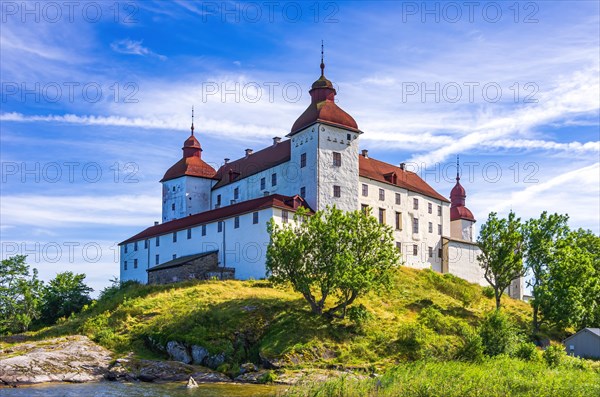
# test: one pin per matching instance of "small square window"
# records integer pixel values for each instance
(263, 183)
(218, 199)
(156, 260)
(255, 218)
(135, 263)
(430, 227)
(273, 179)
(174, 237)
(236, 193)
(204, 230)
(398, 220)
(219, 226)
(364, 208)
(337, 159)
(173, 188)
(348, 137)
(146, 244)
(399, 246)
(303, 192)
(173, 207)
(125, 265)
(303, 160)
(135, 246)
(337, 191)
(439, 210)
(174, 256)
(431, 252)
(398, 198)
(125, 249)
(381, 194)
(415, 225)
(382, 216)
(236, 222)
(415, 203)
(365, 190)
(440, 230)
(284, 216)
(440, 253)
(158, 241)
(415, 249)
(189, 233)
(430, 208)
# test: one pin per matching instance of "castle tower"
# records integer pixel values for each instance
(461, 218)
(324, 146)
(187, 184)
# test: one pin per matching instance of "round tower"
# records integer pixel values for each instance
(461, 218)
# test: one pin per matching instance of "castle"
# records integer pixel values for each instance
(214, 221)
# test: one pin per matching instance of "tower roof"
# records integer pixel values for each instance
(322, 107)
(458, 196)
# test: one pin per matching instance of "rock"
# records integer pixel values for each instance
(198, 354)
(250, 377)
(209, 376)
(215, 360)
(178, 352)
(270, 363)
(248, 367)
(191, 383)
(68, 359)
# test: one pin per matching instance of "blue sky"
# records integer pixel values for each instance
(96, 104)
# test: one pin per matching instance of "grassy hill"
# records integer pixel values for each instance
(424, 314)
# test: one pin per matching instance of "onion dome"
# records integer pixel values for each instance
(191, 164)
(322, 107)
(458, 197)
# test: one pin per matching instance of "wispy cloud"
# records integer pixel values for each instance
(127, 46)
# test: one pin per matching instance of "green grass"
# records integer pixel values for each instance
(501, 376)
(424, 314)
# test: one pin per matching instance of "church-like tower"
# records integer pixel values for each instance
(461, 218)
(187, 184)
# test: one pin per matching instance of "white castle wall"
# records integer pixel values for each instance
(188, 195)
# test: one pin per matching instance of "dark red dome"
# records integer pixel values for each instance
(458, 197)
(191, 164)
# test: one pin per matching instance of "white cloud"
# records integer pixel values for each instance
(127, 46)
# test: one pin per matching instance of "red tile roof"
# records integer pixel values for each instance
(191, 164)
(458, 197)
(274, 200)
(253, 163)
(390, 174)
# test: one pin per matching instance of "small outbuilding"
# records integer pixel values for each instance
(202, 266)
(585, 343)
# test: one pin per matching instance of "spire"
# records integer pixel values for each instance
(457, 168)
(322, 64)
(192, 128)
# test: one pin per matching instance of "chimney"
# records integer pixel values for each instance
(249, 152)
(365, 153)
(402, 166)
(226, 160)
(276, 140)
(155, 223)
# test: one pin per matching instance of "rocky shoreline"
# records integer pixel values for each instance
(76, 359)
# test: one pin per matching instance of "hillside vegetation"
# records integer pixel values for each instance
(423, 314)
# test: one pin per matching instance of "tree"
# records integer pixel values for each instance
(64, 295)
(20, 295)
(331, 253)
(497, 333)
(501, 244)
(541, 239)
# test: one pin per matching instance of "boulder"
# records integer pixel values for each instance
(213, 361)
(178, 352)
(248, 367)
(199, 353)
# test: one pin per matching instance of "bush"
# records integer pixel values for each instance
(488, 292)
(554, 355)
(267, 377)
(497, 333)
(527, 351)
(471, 348)
(359, 315)
(442, 324)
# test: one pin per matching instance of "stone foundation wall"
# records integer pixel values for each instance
(203, 268)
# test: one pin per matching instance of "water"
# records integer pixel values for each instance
(118, 389)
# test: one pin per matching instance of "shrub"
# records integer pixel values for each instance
(554, 355)
(527, 351)
(471, 348)
(488, 292)
(359, 315)
(267, 377)
(497, 333)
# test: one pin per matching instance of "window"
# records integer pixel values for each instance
(303, 192)
(263, 183)
(415, 249)
(156, 260)
(236, 193)
(158, 241)
(398, 198)
(146, 244)
(415, 225)
(135, 263)
(337, 159)
(173, 188)
(174, 237)
(125, 265)
(440, 253)
(135, 246)
(189, 233)
(439, 210)
(364, 208)
(398, 220)
(255, 218)
(415, 203)
(348, 136)
(440, 230)
(218, 200)
(219, 226)
(399, 246)
(430, 227)
(431, 252)
(430, 208)
(303, 160)
(173, 206)
(365, 190)
(381, 215)
(125, 249)
(236, 222)
(273, 179)
(204, 230)
(174, 256)
(337, 191)
(284, 216)
(381, 194)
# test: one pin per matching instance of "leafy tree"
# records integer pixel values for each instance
(497, 333)
(541, 239)
(331, 253)
(572, 287)
(64, 295)
(501, 244)
(20, 295)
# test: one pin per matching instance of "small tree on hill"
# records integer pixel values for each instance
(64, 295)
(501, 244)
(331, 254)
